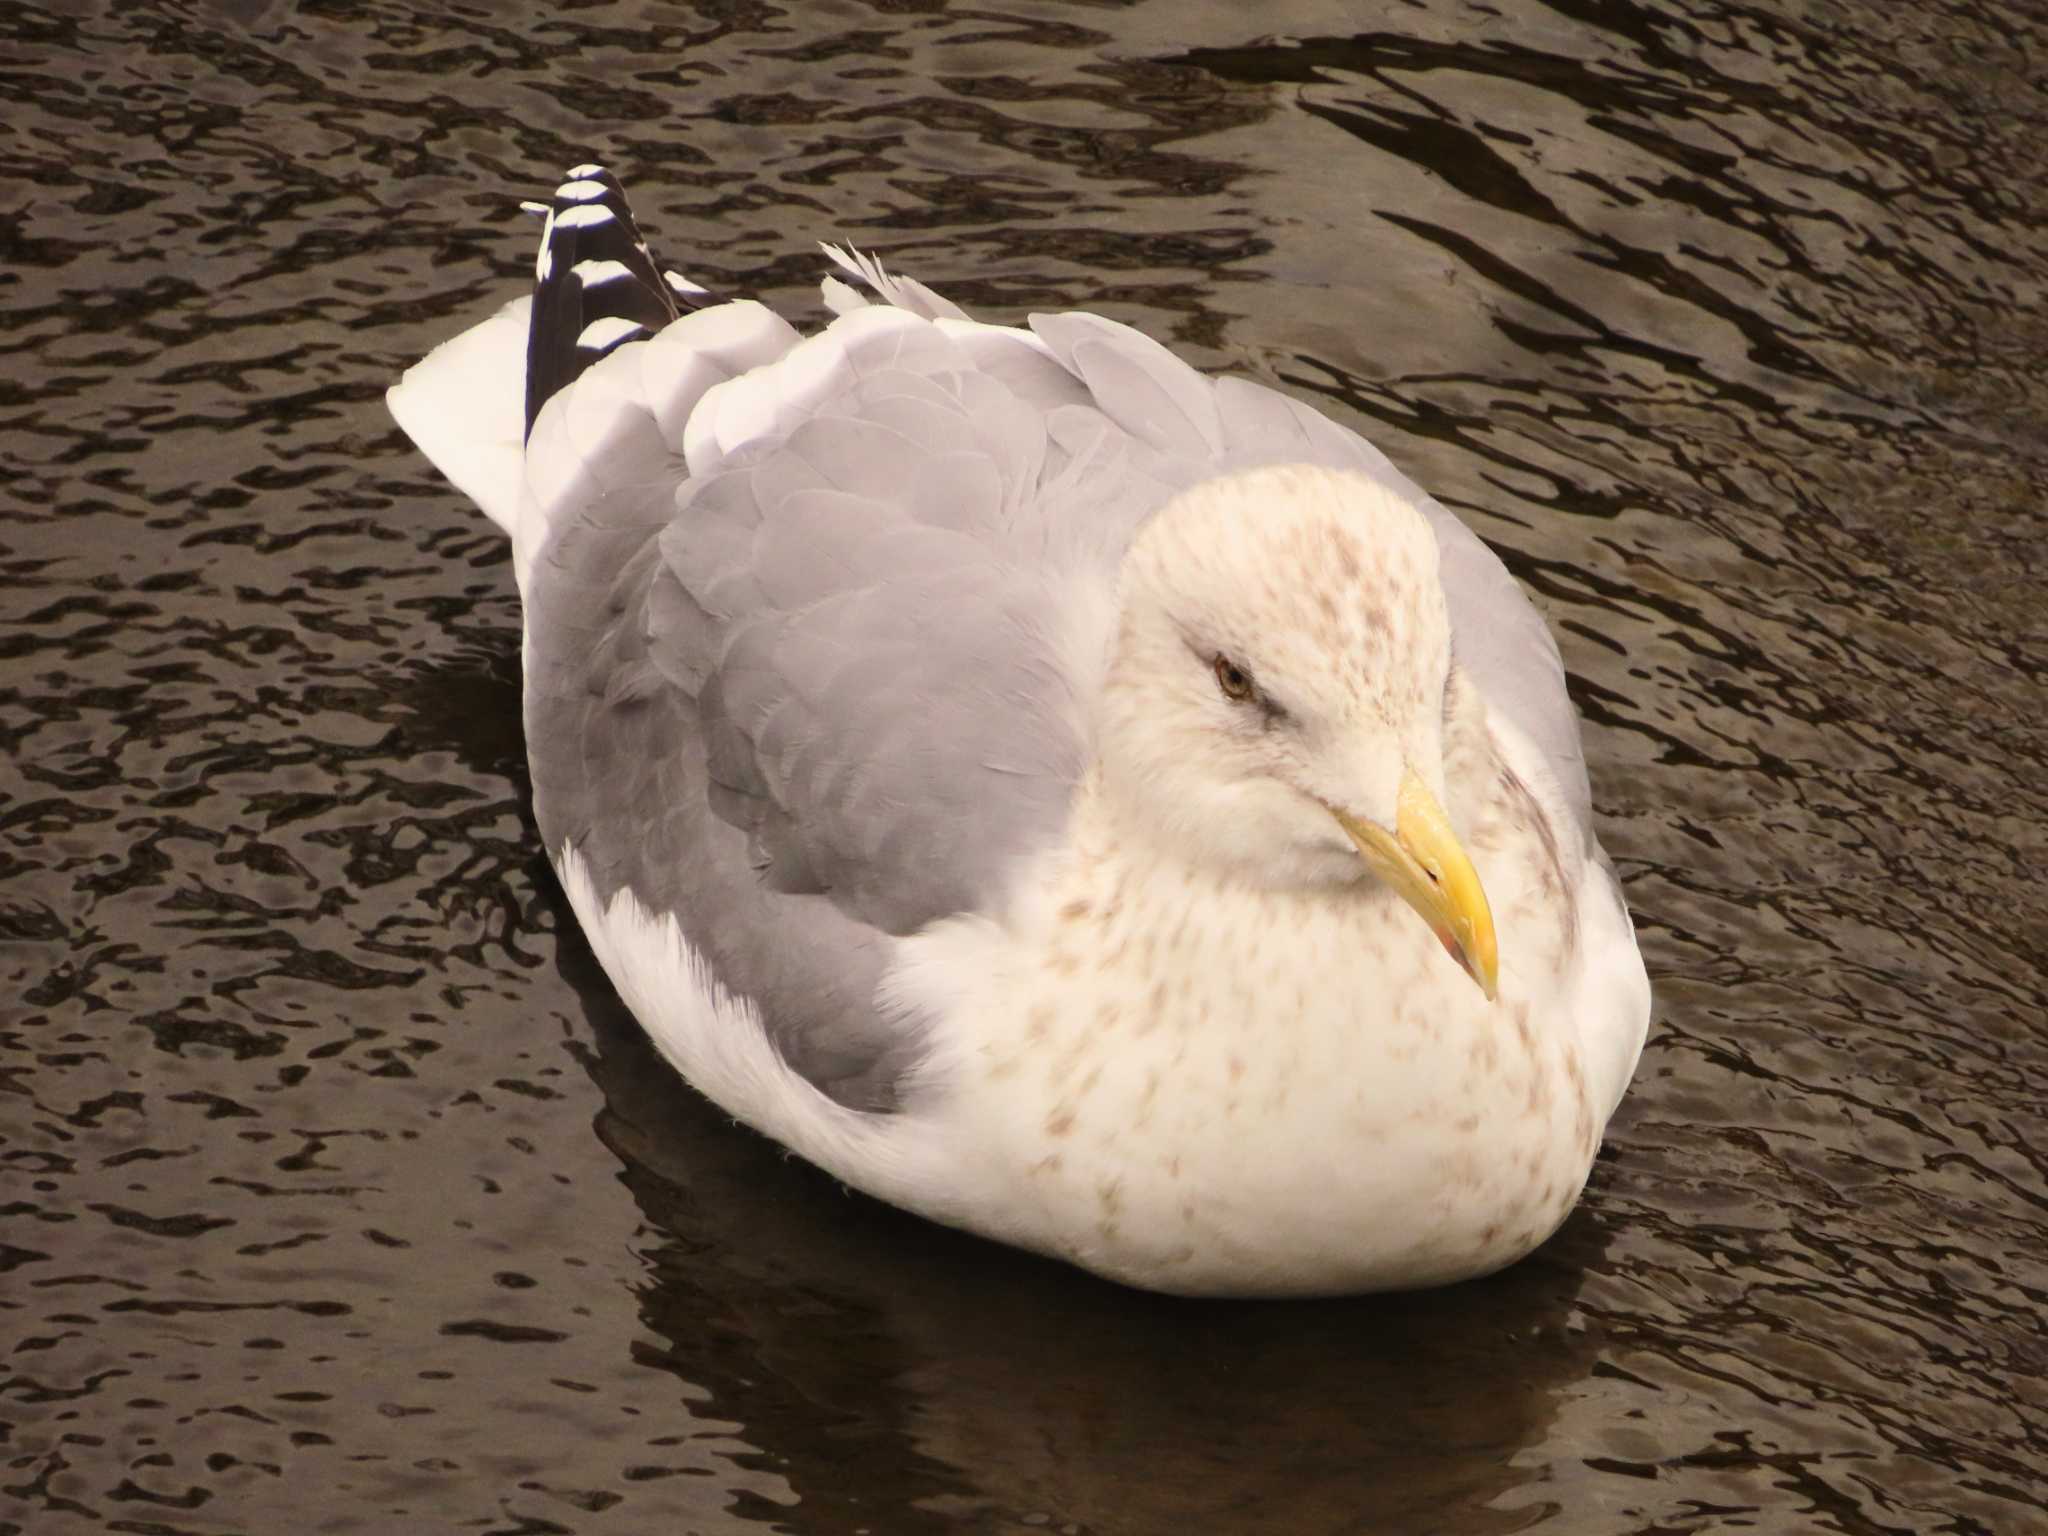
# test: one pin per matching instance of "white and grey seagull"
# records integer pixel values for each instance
(1091, 803)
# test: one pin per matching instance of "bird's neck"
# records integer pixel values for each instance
(1119, 892)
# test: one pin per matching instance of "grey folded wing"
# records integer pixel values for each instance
(806, 694)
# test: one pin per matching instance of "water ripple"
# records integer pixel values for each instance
(1721, 320)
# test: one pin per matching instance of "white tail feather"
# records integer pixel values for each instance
(464, 404)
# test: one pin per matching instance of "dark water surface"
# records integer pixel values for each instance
(337, 1193)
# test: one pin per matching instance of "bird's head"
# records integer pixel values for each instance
(1277, 690)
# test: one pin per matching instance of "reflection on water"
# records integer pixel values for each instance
(341, 1194)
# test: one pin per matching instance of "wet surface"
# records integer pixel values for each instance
(338, 1194)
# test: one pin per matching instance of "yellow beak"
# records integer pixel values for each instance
(1426, 865)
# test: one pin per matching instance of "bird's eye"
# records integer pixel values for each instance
(1235, 682)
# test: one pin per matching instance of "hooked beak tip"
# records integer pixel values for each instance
(1425, 864)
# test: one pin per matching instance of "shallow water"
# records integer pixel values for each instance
(341, 1195)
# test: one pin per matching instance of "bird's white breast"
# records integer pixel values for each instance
(1202, 1087)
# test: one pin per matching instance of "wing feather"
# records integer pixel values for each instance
(821, 590)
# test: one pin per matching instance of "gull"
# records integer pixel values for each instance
(1087, 802)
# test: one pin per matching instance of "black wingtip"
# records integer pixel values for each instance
(595, 285)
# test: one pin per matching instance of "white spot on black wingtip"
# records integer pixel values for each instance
(592, 273)
(581, 191)
(538, 209)
(578, 172)
(602, 334)
(682, 284)
(585, 216)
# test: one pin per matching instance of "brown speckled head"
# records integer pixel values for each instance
(1282, 647)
